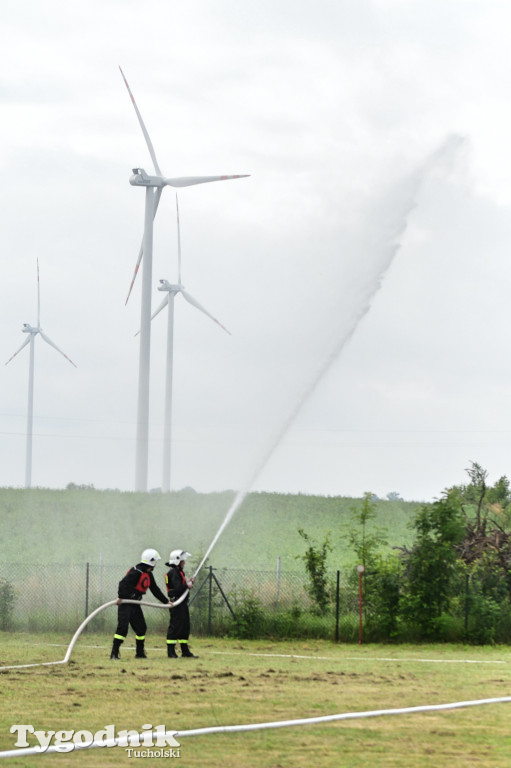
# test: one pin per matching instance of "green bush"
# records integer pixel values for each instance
(382, 595)
(252, 620)
(7, 600)
(315, 558)
(483, 617)
(249, 620)
(430, 567)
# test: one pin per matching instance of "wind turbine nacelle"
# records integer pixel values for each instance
(166, 286)
(141, 179)
(28, 328)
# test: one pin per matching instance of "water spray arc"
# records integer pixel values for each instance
(388, 250)
(154, 186)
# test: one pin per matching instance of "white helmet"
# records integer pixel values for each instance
(150, 557)
(177, 555)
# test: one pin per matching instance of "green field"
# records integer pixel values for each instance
(79, 526)
(237, 682)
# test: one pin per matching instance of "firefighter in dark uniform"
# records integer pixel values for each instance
(179, 624)
(132, 587)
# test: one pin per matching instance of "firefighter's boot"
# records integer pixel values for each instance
(140, 652)
(115, 648)
(171, 651)
(186, 652)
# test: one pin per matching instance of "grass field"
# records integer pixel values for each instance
(237, 682)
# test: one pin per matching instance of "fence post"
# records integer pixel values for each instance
(101, 577)
(210, 601)
(277, 586)
(87, 590)
(223, 594)
(337, 603)
(360, 569)
(467, 603)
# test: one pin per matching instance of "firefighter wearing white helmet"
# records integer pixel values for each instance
(150, 557)
(179, 624)
(133, 586)
(178, 555)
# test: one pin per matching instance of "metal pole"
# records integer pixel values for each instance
(277, 587)
(360, 569)
(467, 603)
(196, 591)
(87, 591)
(100, 575)
(210, 597)
(223, 595)
(337, 603)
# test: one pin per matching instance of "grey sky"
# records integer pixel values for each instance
(331, 109)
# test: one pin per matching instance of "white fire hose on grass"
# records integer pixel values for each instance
(84, 624)
(225, 729)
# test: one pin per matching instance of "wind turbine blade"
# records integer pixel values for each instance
(157, 197)
(52, 344)
(144, 129)
(162, 306)
(38, 298)
(178, 244)
(135, 273)
(196, 304)
(189, 181)
(27, 341)
(157, 311)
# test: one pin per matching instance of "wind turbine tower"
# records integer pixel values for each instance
(32, 332)
(171, 291)
(154, 187)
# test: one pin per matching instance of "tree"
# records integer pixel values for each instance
(486, 544)
(477, 491)
(315, 564)
(365, 544)
(500, 493)
(430, 565)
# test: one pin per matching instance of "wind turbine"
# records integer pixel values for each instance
(154, 187)
(32, 332)
(171, 291)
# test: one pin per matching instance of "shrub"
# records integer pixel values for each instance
(430, 565)
(249, 618)
(7, 600)
(315, 564)
(382, 599)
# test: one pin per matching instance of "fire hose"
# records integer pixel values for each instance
(87, 620)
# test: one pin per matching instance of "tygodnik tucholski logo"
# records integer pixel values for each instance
(66, 741)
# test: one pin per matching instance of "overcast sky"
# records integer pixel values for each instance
(363, 269)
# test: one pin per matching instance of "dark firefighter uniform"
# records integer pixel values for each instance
(179, 623)
(133, 587)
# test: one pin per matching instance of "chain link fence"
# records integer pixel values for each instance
(224, 601)
(57, 598)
